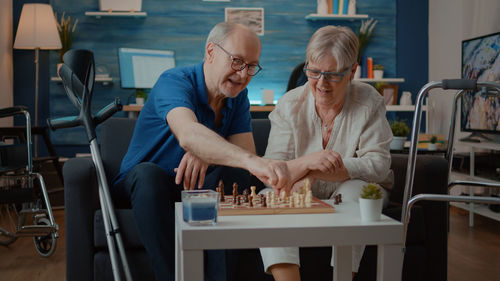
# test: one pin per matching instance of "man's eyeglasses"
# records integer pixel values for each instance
(329, 76)
(239, 64)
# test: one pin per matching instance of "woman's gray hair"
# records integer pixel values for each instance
(336, 41)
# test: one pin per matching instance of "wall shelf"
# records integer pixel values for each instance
(335, 17)
(99, 14)
(386, 80)
(104, 80)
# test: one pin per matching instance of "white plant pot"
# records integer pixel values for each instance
(370, 209)
(378, 74)
(357, 74)
(432, 146)
(397, 143)
(139, 101)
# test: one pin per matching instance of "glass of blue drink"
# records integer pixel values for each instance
(199, 207)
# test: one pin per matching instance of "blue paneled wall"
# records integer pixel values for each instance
(182, 26)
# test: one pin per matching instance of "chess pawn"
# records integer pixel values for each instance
(253, 194)
(283, 196)
(235, 189)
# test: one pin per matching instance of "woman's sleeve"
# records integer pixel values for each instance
(373, 159)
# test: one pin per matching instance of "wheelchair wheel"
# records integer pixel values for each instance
(45, 245)
(10, 221)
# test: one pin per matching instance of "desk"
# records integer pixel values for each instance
(471, 207)
(133, 109)
(342, 229)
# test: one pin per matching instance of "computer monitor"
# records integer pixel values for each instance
(481, 61)
(140, 68)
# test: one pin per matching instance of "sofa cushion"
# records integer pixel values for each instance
(116, 134)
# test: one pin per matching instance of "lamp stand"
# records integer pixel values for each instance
(37, 51)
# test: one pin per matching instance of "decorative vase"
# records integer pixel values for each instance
(432, 146)
(351, 10)
(370, 209)
(378, 74)
(322, 7)
(357, 74)
(59, 67)
(397, 143)
(405, 98)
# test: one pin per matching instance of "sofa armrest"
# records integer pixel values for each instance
(81, 201)
(431, 176)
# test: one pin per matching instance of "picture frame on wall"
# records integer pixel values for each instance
(251, 17)
(390, 94)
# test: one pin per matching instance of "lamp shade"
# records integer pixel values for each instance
(37, 28)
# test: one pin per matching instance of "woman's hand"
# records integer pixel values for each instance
(191, 169)
(325, 161)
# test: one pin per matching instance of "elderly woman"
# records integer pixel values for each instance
(333, 131)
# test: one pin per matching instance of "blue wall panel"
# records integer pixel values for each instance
(182, 26)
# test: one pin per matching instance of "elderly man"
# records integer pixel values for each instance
(195, 116)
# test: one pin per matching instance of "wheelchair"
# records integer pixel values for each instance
(25, 208)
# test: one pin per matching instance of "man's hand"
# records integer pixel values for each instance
(272, 172)
(191, 169)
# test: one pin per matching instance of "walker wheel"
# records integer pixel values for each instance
(45, 245)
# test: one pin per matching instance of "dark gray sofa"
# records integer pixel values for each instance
(87, 256)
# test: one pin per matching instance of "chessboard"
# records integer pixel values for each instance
(228, 208)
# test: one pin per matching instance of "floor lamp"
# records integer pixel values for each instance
(37, 30)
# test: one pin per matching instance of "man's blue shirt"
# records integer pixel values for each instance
(153, 140)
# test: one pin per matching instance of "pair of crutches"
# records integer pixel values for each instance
(78, 76)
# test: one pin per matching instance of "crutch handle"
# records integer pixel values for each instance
(63, 122)
(459, 84)
(107, 111)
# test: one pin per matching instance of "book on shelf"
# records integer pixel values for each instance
(335, 7)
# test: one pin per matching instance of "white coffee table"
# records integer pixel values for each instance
(342, 229)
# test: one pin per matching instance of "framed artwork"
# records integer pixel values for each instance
(390, 94)
(251, 17)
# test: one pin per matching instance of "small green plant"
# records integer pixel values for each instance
(400, 129)
(378, 67)
(433, 139)
(371, 191)
(141, 94)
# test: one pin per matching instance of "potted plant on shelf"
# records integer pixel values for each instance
(66, 29)
(378, 71)
(432, 145)
(140, 97)
(364, 35)
(399, 131)
(370, 202)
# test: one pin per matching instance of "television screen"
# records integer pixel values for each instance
(481, 61)
(140, 68)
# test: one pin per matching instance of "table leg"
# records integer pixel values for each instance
(178, 255)
(342, 263)
(192, 265)
(389, 262)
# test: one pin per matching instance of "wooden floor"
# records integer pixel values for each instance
(473, 253)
